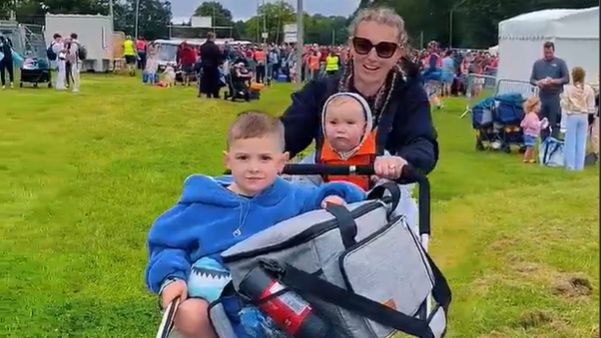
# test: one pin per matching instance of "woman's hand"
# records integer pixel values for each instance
(331, 199)
(389, 167)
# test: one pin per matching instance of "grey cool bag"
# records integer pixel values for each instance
(361, 269)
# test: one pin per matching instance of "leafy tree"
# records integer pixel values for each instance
(221, 16)
(153, 20)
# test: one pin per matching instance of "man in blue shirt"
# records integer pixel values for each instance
(549, 74)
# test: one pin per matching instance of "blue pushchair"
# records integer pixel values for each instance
(497, 122)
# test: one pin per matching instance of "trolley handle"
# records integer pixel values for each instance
(408, 175)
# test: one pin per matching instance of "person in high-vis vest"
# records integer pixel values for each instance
(129, 54)
(332, 63)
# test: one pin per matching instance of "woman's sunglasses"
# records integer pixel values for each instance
(384, 49)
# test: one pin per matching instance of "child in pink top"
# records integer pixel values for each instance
(531, 126)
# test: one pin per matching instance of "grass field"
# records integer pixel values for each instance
(83, 176)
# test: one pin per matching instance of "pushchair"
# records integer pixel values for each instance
(497, 122)
(35, 70)
(238, 87)
(496, 119)
(180, 72)
(331, 298)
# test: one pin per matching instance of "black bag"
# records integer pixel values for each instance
(50, 53)
(82, 52)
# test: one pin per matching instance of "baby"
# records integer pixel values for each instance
(350, 139)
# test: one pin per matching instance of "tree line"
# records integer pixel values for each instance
(474, 23)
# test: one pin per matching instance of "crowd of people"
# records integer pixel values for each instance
(270, 62)
(443, 72)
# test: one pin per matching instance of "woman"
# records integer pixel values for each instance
(448, 73)
(6, 62)
(151, 62)
(577, 101)
(58, 47)
(377, 70)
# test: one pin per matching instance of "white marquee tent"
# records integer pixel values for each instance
(575, 33)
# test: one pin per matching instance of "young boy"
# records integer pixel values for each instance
(213, 214)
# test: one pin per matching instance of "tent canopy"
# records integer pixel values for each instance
(552, 23)
(575, 33)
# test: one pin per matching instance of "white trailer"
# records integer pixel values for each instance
(94, 32)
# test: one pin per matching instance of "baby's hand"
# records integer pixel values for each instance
(331, 199)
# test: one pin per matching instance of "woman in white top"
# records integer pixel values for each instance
(152, 63)
(577, 101)
(58, 47)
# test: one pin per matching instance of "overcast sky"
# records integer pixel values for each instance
(244, 9)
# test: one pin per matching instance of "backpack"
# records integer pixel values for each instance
(82, 52)
(50, 53)
(321, 257)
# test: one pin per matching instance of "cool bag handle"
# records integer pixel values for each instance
(346, 223)
(390, 187)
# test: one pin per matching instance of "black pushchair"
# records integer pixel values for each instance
(238, 87)
(34, 71)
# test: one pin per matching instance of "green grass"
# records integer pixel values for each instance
(83, 176)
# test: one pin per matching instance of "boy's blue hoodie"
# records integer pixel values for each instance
(205, 220)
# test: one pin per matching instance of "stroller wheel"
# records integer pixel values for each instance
(506, 148)
(479, 146)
